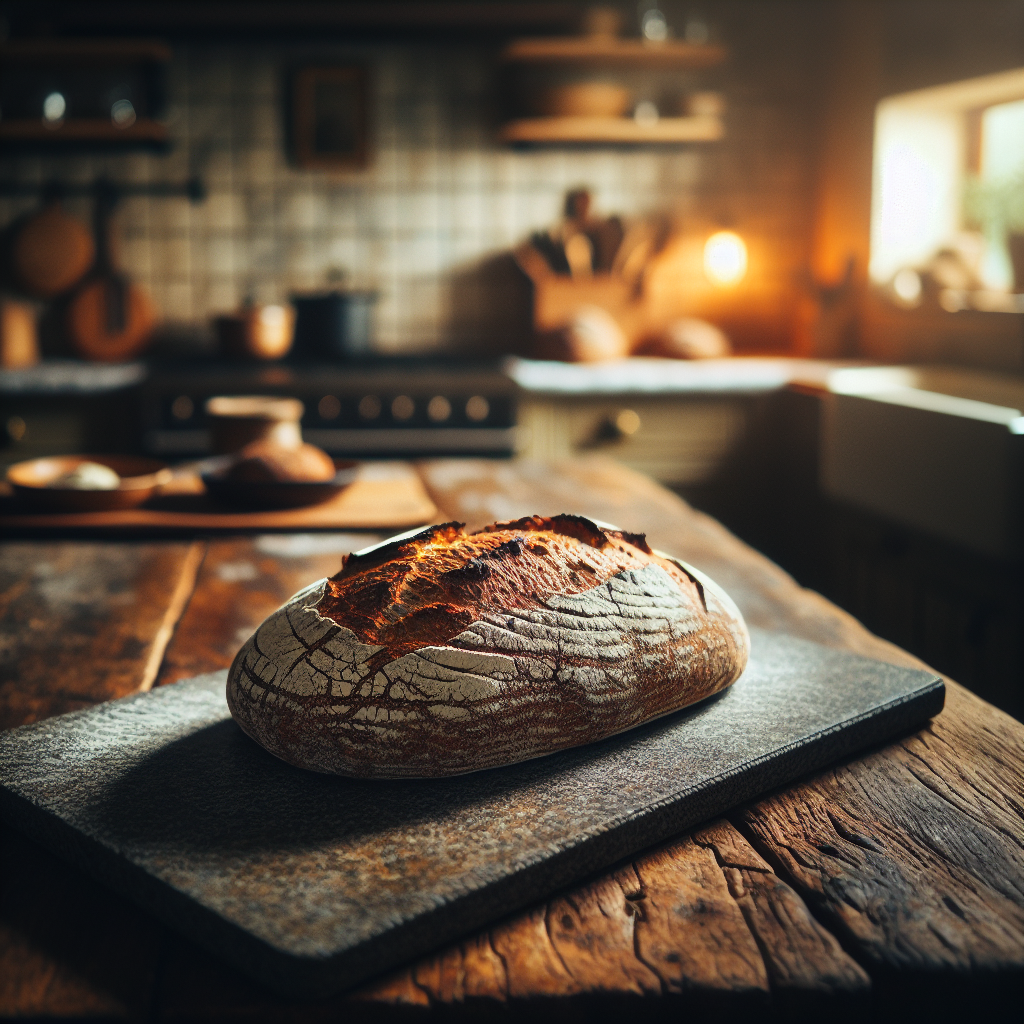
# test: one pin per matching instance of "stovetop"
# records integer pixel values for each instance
(401, 408)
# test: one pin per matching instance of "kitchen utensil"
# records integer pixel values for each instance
(334, 325)
(579, 254)
(51, 251)
(140, 478)
(281, 493)
(258, 332)
(19, 339)
(583, 99)
(109, 318)
(311, 883)
(636, 249)
(238, 420)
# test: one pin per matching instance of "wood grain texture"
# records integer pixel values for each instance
(85, 622)
(816, 900)
(917, 875)
(690, 929)
(800, 955)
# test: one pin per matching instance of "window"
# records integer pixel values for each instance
(948, 193)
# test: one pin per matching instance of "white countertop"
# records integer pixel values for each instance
(640, 374)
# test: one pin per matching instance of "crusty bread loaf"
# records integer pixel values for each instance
(443, 652)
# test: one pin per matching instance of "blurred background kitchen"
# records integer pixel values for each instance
(771, 253)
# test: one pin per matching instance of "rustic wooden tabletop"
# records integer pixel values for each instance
(890, 885)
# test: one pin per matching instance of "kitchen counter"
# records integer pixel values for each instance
(640, 375)
(889, 885)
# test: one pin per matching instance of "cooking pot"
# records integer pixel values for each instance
(335, 325)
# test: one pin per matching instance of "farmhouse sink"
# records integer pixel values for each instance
(939, 449)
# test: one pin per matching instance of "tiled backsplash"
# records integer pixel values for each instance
(441, 197)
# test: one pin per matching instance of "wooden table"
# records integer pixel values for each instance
(891, 885)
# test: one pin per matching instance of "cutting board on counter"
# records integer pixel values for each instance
(311, 883)
(385, 496)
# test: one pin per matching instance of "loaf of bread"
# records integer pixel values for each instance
(265, 462)
(441, 652)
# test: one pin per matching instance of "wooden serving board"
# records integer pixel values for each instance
(384, 496)
(311, 883)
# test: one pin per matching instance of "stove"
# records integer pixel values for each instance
(393, 409)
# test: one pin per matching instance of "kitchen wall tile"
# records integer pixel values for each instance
(223, 211)
(172, 258)
(172, 300)
(220, 254)
(220, 295)
(134, 257)
(440, 199)
(303, 211)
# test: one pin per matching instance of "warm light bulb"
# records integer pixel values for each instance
(725, 257)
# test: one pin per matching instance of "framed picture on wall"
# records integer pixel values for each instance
(329, 117)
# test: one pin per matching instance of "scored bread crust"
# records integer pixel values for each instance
(439, 652)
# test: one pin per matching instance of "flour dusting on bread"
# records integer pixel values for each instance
(444, 652)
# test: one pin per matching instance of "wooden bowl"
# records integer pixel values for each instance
(139, 479)
(262, 494)
(584, 99)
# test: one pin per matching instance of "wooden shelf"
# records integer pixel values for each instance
(601, 50)
(613, 130)
(85, 129)
(88, 50)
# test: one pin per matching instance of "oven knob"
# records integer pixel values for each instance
(369, 407)
(439, 409)
(478, 409)
(403, 407)
(182, 408)
(329, 407)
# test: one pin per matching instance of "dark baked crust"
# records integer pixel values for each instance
(427, 588)
(445, 652)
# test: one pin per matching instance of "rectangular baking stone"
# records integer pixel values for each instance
(311, 883)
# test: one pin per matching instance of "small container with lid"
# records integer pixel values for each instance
(238, 420)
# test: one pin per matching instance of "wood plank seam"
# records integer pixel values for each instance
(183, 590)
(733, 891)
(417, 984)
(634, 899)
(847, 941)
(504, 965)
(506, 986)
(801, 956)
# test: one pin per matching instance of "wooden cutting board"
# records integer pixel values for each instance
(385, 496)
(311, 883)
